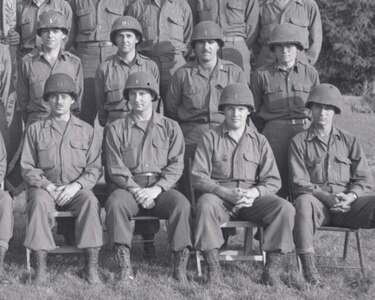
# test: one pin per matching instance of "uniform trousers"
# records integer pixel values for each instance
(312, 214)
(279, 136)
(40, 209)
(6, 219)
(91, 56)
(270, 211)
(170, 205)
(236, 51)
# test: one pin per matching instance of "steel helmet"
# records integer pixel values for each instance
(59, 83)
(52, 19)
(286, 33)
(126, 23)
(207, 30)
(236, 94)
(141, 80)
(326, 94)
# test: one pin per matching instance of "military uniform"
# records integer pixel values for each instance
(51, 155)
(33, 72)
(193, 96)
(138, 157)
(239, 22)
(27, 19)
(166, 27)
(92, 22)
(337, 166)
(280, 99)
(221, 162)
(302, 13)
(110, 82)
(5, 73)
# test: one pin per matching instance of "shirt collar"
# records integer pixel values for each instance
(50, 122)
(296, 67)
(118, 60)
(62, 54)
(248, 130)
(156, 119)
(197, 68)
(311, 135)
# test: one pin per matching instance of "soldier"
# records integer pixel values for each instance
(61, 164)
(280, 92)
(302, 13)
(37, 66)
(111, 75)
(92, 22)
(330, 178)
(239, 22)
(28, 14)
(167, 27)
(6, 205)
(236, 174)
(144, 157)
(193, 97)
(110, 80)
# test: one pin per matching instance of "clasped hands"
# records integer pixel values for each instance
(62, 195)
(337, 203)
(146, 196)
(239, 197)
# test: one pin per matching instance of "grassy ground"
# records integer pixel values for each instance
(153, 280)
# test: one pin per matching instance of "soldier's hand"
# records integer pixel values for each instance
(344, 205)
(326, 198)
(67, 192)
(146, 196)
(13, 37)
(245, 202)
(52, 190)
(230, 195)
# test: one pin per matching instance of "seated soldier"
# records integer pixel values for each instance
(235, 170)
(61, 164)
(144, 159)
(6, 213)
(330, 178)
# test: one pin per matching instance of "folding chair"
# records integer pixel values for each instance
(347, 232)
(247, 253)
(58, 249)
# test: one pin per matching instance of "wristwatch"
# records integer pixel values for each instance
(354, 195)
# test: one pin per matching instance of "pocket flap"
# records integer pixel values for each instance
(78, 145)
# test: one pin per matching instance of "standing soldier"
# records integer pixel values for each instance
(28, 14)
(144, 158)
(167, 27)
(302, 13)
(111, 75)
(239, 22)
(5, 73)
(37, 66)
(280, 93)
(236, 174)
(92, 22)
(61, 164)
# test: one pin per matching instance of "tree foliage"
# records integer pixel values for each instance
(347, 58)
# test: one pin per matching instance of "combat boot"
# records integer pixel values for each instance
(122, 259)
(270, 275)
(214, 270)
(309, 269)
(91, 265)
(180, 260)
(41, 267)
(3, 280)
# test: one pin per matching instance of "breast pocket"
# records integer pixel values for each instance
(113, 12)
(86, 22)
(113, 92)
(220, 166)
(176, 27)
(250, 163)
(26, 27)
(275, 98)
(301, 92)
(46, 155)
(315, 169)
(37, 83)
(193, 96)
(343, 166)
(160, 152)
(79, 151)
(129, 156)
(235, 12)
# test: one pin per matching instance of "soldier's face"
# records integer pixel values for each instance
(206, 50)
(126, 41)
(285, 53)
(140, 100)
(322, 114)
(52, 38)
(60, 103)
(235, 116)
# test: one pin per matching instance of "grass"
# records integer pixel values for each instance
(240, 281)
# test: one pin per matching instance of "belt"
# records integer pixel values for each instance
(146, 175)
(233, 38)
(95, 44)
(291, 121)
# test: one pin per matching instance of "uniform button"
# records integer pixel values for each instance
(99, 26)
(146, 165)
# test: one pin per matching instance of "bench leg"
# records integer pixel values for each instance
(359, 247)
